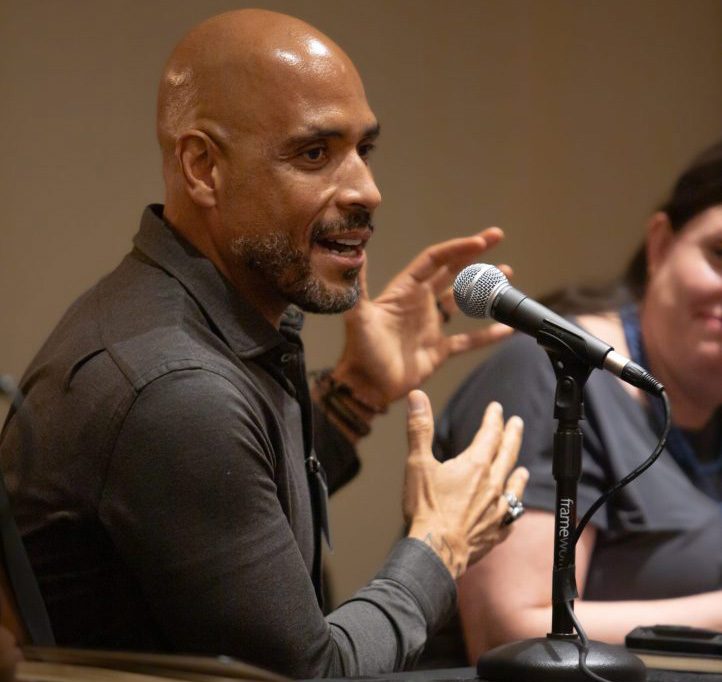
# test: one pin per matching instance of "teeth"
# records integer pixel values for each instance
(348, 242)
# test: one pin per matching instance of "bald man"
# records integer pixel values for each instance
(174, 497)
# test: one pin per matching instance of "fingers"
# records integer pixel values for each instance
(445, 298)
(440, 280)
(492, 236)
(486, 441)
(516, 483)
(479, 338)
(452, 252)
(506, 269)
(419, 425)
(362, 280)
(508, 449)
(446, 274)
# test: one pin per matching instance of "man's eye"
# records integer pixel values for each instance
(365, 150)
(314, 154)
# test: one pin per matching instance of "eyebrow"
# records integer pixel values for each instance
(372, 132)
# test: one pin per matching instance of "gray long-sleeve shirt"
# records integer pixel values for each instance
(157, 475)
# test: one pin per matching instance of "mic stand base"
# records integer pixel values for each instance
(556, 659)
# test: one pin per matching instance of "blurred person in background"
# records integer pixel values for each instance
(653, 553)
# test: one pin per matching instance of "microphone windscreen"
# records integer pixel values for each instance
(473, 288)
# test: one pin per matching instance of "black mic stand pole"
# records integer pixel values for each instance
(556, 657)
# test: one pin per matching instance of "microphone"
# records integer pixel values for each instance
(481, 290)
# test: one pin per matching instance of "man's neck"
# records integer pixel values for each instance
(249, 285)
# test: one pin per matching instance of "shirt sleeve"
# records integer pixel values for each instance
(191, 503)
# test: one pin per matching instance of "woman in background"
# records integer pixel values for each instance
(653, 553)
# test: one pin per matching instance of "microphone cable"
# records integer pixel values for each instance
(633, 474)
(584, 649)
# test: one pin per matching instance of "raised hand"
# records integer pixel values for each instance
(397, 340)
(458, 507)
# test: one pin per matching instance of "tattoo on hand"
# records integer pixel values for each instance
(442, 547)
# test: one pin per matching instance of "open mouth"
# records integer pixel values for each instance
(342, 246)
(346, 244)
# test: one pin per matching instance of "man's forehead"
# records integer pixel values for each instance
(293, 80)
(307, 105)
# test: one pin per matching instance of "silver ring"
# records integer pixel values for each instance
(516, 509)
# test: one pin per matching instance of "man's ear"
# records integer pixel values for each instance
(197, 157)
(659, 239)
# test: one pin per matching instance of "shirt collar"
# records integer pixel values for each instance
(243, 328)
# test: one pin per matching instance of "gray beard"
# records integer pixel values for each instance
(288, 271)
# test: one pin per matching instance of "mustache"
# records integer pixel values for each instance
(353, 221)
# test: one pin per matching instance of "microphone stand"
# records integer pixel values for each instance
(556, 657)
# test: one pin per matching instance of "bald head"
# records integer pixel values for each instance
(266, 132)
(225, 74)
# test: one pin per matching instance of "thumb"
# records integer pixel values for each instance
(419, 425)
(362, 280)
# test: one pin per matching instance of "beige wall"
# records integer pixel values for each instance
(563, 121)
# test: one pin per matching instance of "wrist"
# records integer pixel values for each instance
(362, 386)
(351, 414)
(451, 556)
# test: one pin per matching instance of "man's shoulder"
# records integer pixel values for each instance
(151, 325)
(144, 321)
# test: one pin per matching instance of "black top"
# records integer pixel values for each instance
(157, 475)
(660, 536)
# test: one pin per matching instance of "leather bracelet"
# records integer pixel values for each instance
(338, 399)
(329, 385)
(335, 405)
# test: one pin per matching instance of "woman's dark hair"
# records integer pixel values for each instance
(697, 189)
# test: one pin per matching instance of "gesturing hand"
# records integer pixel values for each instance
(396, 341)
(457, 507)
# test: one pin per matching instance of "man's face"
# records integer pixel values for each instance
(296, 195)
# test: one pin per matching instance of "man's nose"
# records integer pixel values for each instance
(357, 188)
